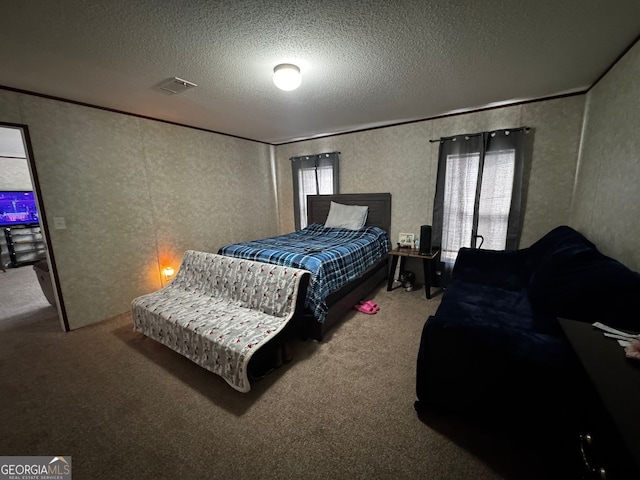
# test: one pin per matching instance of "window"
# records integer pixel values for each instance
(495, 198)
(478, 193)
(313, 175)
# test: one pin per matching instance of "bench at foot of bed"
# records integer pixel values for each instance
(222, 312)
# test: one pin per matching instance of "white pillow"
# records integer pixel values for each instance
(352, 217)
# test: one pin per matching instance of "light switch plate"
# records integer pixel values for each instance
(59, 223)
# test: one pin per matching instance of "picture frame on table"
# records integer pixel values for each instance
(406, 239)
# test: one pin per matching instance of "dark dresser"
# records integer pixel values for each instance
(610, 441)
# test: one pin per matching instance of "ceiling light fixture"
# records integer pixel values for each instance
(287, 77)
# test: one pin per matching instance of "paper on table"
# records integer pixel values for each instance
(617, 337)
(608, 329)
(628, 341)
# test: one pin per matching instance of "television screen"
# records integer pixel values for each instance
(17, 208)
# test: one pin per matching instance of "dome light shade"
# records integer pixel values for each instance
(287, 77)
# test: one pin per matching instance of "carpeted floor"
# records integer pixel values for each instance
(125, 407)
(21, 297)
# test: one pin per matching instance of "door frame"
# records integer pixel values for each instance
(44, 225)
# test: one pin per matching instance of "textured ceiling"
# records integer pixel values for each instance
(364, 63)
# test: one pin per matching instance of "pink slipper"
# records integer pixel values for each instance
(365, 308)
(371, 304)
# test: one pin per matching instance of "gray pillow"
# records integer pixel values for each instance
(352, 217)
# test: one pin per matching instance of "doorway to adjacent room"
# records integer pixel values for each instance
(27, 292)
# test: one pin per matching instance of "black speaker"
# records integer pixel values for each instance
(425, 240)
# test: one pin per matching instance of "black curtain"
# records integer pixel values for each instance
(313, 175)
(479, 192)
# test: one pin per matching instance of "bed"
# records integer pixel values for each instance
(331, 294)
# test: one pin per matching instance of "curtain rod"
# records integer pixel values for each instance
(314, 155)
(525, 129)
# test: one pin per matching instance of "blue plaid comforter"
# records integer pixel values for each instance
(334, 256)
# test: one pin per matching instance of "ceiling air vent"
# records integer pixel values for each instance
(176, 85)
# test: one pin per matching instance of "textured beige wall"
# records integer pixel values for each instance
(401, 160)
(206, 190)
(9, 107)
(606, 205)
(558, 125)
(136, 194)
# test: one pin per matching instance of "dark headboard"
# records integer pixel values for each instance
(379, 207)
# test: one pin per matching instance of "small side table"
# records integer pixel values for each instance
(428, 265)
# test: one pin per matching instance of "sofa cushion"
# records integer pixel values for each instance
(560, 243)
(496, 330)
(588, 286)
(462, 296)
(508, 270)
(501, 319)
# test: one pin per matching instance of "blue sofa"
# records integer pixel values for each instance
(495, 344)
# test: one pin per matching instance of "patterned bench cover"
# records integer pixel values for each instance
(218, 311)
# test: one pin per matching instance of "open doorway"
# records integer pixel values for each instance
(27, 287)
